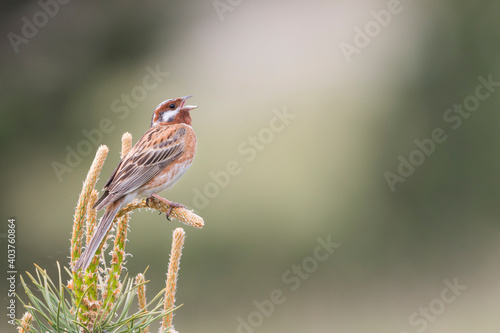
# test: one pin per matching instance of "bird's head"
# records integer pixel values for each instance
(172, 111)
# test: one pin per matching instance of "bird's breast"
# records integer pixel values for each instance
(173, 172)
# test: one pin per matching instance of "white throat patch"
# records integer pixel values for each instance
(168, 116)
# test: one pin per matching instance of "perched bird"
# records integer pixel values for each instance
(155, 163)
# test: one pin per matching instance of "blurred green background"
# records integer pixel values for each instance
(322, 174)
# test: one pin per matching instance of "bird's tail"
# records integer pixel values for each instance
(99, 234)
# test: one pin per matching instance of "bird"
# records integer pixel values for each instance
(155, 163)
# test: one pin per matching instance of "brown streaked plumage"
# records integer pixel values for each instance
(155, 163)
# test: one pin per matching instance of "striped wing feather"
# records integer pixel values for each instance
(143, 164)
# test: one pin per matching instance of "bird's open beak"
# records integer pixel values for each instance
(187, 107)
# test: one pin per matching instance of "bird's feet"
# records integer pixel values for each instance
(148, 201)
(171, 205)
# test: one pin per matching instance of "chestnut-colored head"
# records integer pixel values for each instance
(172, 111)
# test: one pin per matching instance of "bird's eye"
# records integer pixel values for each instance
(172, 106)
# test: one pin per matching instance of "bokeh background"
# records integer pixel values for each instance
(321, 176)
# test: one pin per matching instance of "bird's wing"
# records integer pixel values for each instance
(157, 148)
